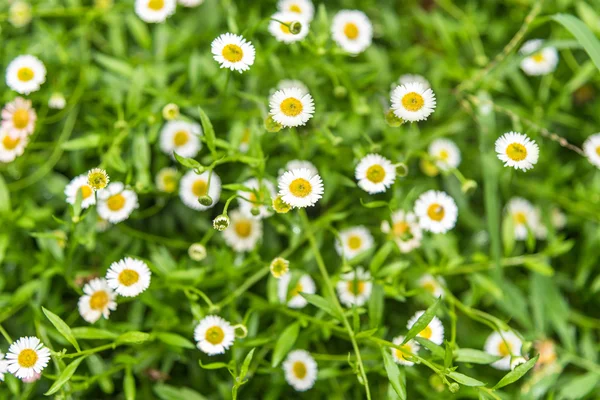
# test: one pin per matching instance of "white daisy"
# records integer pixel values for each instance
(116, 203)
(57, 101)
(154, 11)
(11, 147)
(98, 300)
(292, 83)
(297, 164)
(304, 8)
(80, 183)
(181, 137)
(193, 186)
(214, 335)
(36, 377)
(190, 3)
(352, 31)
(517, 150)
(354, 288)
(243, 232)
(410, 347)
(375, 173)
(524, 216)
(354, 241)
(18, 117)
(166, 179)
(25, 74)
(233, 52)
(413, 102)
(266, 191)
(414, 78)
(405, 230)
(538, 61)
(446, 154)
(506, 345)
(300, 370)
(437, 212)
(290, 107)
(3, 367)
(591, 148)
(433, 285)
(282, 32)
(26, 357)
(434, 331)
(305, 285)
(128, 277)
(300, 188)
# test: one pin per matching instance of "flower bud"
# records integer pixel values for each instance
(469, 186)
(454, 387)
(19, 14)
(221, 222)
(205, 200)
(392, 120)
(197, 252)
(98, 178)
(170, 111)
(295, 27)
(428, 168)
(271, 125)
(401, 170)
(255, 211)
(280, 206)
(340, 92)
(279, 267)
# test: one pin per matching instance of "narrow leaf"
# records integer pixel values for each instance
(61, 327)
(321, 303)
(208, 129)
(516, 373)
(393, 372)
(174, 339)
(474, 356)
(582, 33)
(422, 322)
(464, 379)
(284, 343)
(65, 375)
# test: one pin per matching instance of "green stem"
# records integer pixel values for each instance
(90, 351)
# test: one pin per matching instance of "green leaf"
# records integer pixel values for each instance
(539, 266)
(437, 350)
(114, 65)
(84, 332)
(168, 392)
(376, 306)
(174, 339)
(246, 365)
(381, 255)
(89, 141)
(582, 33)
(187, 162)
(422, 322)
(139, 30)
(579, 387)
(129, 385)
(367, 333)
(516, 373)
(474, 356)
(61, 327)
(4, 197)
(397, 380)
(284, 343)
(464, 379)
(133, 337)
(321, 303)
(65, 375)
(215, 365)
(209, 132)
(374, 204)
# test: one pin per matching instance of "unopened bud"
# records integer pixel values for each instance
(392, 119)
(205, 200)
(221, 222)
(271, 125)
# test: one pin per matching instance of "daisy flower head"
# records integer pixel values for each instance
(57, 101)
(291, 107)
(432, 285)
(11, 147)
(375, 173)
(292, 83)
(3, 367)
(233, 52)
(155, 11)
(352, 31)
(243, 231)
(538, 60)
(437, 212)
(300, 188)
(506, 345)
(414, 78)
(18, 117)
(304, 8)
(401, 355)
(128, 277)
(19, 14)
(446, 154)
(591, 148)
(116, 203)
(524, 216)
(434, 331)
(190, 3)
(297, 164)
(354, 241)
(97, 178)
(25, 74)
(80, 183)
(97, 301)
(266, 192)
(304, 285)
(181, 137)
(166, 180)
(282, 32)
(517, 150)
(413, 102)
(354, 288)
(279, 267)
(214, 335)
(404, 230)
(300, 370)
(193, 187)
(27, 357)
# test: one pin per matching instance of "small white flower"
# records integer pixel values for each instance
(352, 31)
(233, 52)
(354, 241)
(517, 150)
(432, 285)
(57, 101)
(304, 285)
(282, 32)
(166, 179)
(538, 61)
(300, 188)
(437, 212)
(446, 154)
(155, 11)
(434, 331)
(266, 191)
(413, 102)
(558, 218)
(11, 147)
(19, 14)
(190, 3)
(300, 370)
(405, 230)
(116, 203)
(304, 8)
(410, 347)
(297, 164)
(80, 183)
(3, 367)
(98, 300)
(375, 173)
(290, 84)
(128, 277)
(290, 107)
(18, 117)
(243, 232)
(412, 78)
(27, 357)
(591, 148)
(197, 251)
(181, 137)
(354, 288)
(516, 361)
(505, 345)
(214, 335)
(193, 186)
(25, 74)
(524, 217)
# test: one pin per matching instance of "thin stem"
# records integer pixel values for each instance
(261, 273)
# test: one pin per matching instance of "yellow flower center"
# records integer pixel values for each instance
(25, 74)
(402, 352)
(295, 291)
(356, 287)
(99, 300)
(426, 333)
(401, 228)
(504, 349)
(376, 173)
(295, 8)
(233, 53)
(538, 57)
(279, 267)
(156, 5)
(200, 188)
(285, 28)
(413, 101)
(300, 187)
(169, 183)
(520, 218)
(116, 202)
(598, 150)
(354, 242)
(214, 335)
(181, 138)
(444, 155)
(128, 277)
(10, 143)
(27, 358)
(516, 151)
(86, 191)
(351, 30)
(436, 212)
(291, 107)
(20, 118)
(98, 179)
(243, 228)
(299, 369)
(429, 286)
